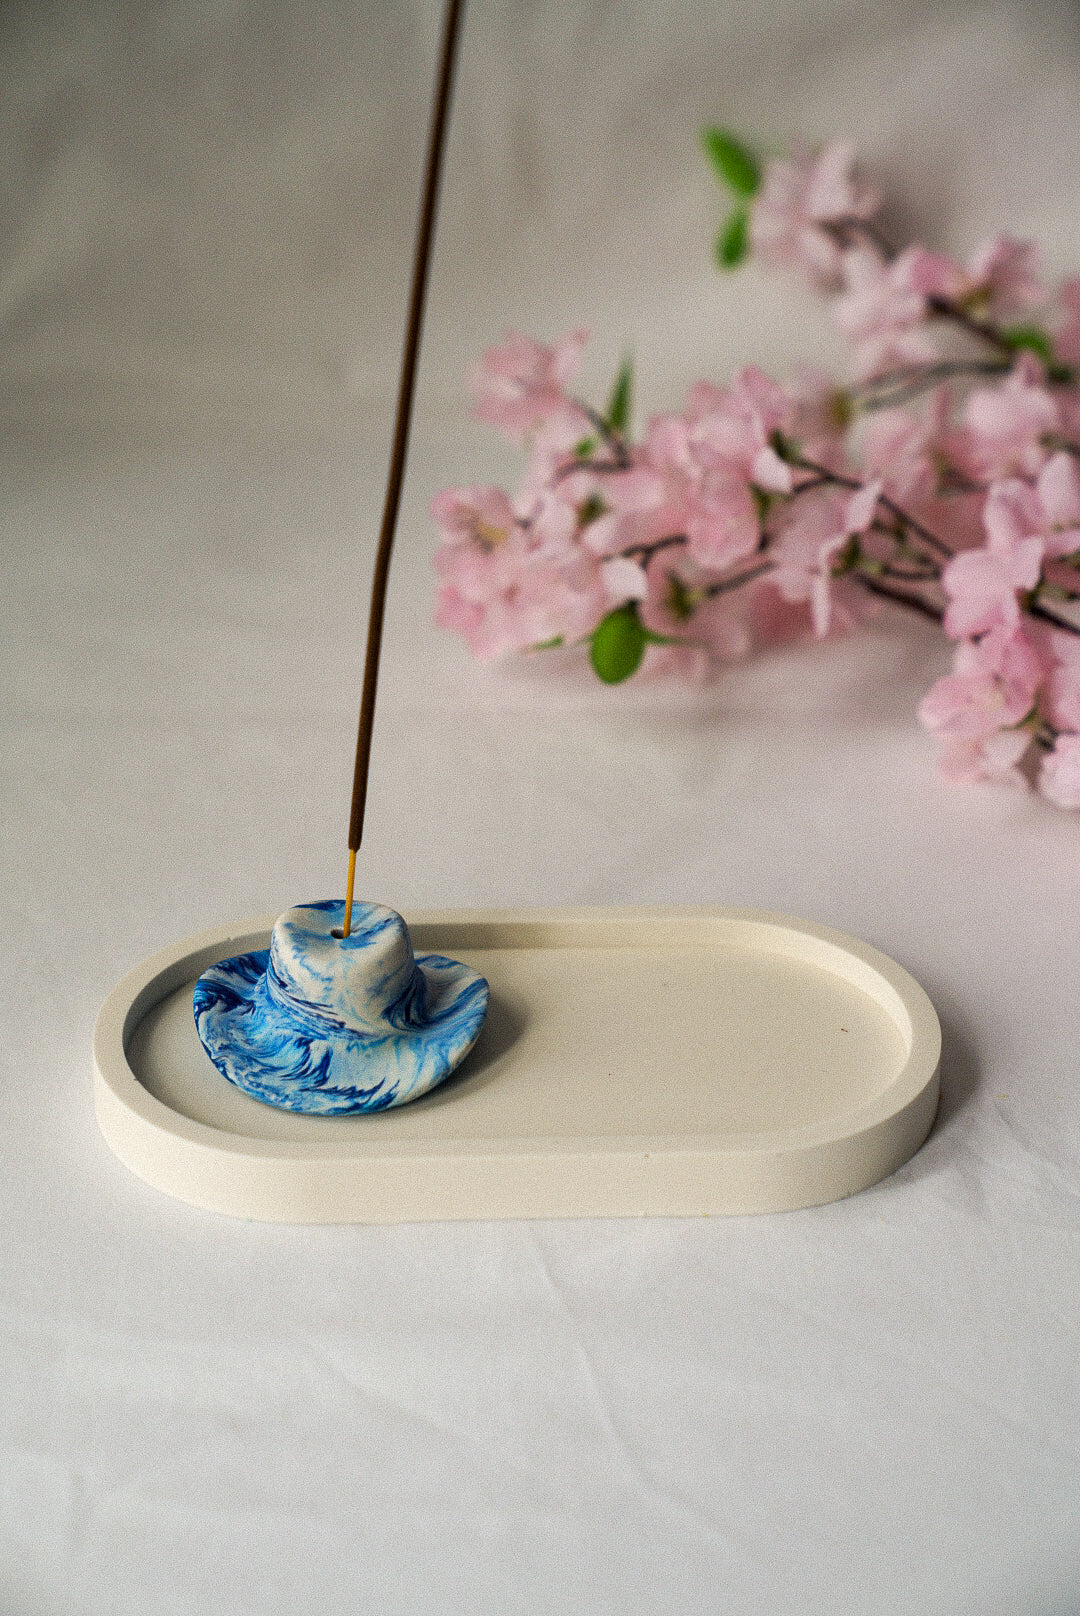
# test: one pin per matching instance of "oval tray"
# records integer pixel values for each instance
(634, 1061)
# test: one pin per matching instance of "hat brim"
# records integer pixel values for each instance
(301, 1059)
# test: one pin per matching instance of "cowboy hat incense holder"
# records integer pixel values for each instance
(337, 1064)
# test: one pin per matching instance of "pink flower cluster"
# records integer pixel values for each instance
(942, 475)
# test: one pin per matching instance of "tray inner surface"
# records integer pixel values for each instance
(705, 1038)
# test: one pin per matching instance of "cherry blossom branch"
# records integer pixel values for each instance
(567, 468)
(727, 586)
(847, 231)
(645, 552)
(913, 575)
(898, 596)
(914, 526)
(892, 388)
(611, 437)
(1052, 441)
(983, 330)
(824, 476)
(952, 481)
(760, 493)
(1035, 608)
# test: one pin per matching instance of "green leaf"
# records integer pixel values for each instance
(733, 241)
(585, 449)
(617, 414)
(548, 645)
(618, 645)
(737, 167)
(1032, 337)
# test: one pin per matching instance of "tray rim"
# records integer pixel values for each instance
(125, 1109)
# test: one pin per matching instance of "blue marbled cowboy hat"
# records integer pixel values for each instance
(327, 1025)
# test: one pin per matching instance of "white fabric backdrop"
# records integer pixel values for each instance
(870, 1408)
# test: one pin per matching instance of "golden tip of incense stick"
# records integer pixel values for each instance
(350, 882)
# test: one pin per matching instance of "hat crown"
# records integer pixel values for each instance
(368, 981)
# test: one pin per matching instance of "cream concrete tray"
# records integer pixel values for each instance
(634, 1062)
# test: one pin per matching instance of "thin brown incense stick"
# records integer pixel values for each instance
(421, 260)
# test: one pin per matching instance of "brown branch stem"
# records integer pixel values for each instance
(1037, 609)
(824, 475)
(725, 586)
(894, 387)
(899, 596)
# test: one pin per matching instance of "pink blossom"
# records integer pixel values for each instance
(624, 579)
(858, 514)
(1000, 279)
(997, 757)
(666, 454)
(1003, 426)
(934, 274)
(478, 520)
(821, 414)
(1068, 403)
(554, 526)
(775, 620)
(693, 477)
(819, 527)
(800, 198)
(710, 494)
(993, 686)
(736, 434)
(723, 525)
(883, 312)
(832, 196)
(1004, 278)
(542, 603)
(810, 533)
(490, 627)
(650, 500)
(1059, 776)
(975, 709)
(1024, 525)
(522, 383)
(982, 585)
(861, 509)
(728, 452)
(1058, 489)
(1062, 695)
(551, 446)
(1016, 511)
(904, 448)
(482, 566)
(885, 307)
(704, 398)
(679, 606)
(498, 586)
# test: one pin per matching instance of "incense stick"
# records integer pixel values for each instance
(421, 260)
